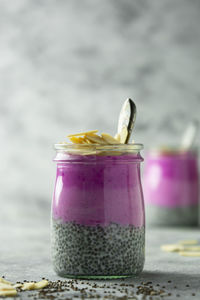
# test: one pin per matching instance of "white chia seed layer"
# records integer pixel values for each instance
(113, 250)
(175, 216)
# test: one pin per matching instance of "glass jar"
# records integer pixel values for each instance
(171, 187)
(98, 220)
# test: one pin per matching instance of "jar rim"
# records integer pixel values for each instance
(170, 149)
(96, 147)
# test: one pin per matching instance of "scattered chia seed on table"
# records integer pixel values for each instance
(89, 289)
(97, 250)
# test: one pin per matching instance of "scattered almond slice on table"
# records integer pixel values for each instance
(41, 284)
(28, 286)
(172, 248)
(9, 289)
(17, 285)
(184, 248)
(188, 242)
(8, 293)
(192, 248)
(2, 280)
(4, 287)
(190, 253)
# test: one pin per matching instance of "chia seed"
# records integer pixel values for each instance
(113, 250)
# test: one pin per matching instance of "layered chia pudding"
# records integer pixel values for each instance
(171, 187)
(98, 212)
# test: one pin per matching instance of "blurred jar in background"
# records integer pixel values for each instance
(171, 187)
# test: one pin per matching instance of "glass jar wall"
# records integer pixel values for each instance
(98, 220)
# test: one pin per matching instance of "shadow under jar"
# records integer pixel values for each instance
(98, 219)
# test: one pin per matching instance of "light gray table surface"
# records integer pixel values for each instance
(25, 254)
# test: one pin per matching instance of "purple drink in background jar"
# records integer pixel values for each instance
(98, 212)
(171, 187)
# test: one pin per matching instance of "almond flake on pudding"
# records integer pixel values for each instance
(75, 140)
(109, 139)
(83, 133)
(96, 139)
(117, 137)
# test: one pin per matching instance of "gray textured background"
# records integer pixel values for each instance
(67, 66)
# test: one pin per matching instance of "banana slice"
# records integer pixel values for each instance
(8, 293)
(96, 139)
(172, 248)
(28, 286)
(109, 139)
(83, 133)
(189, 253)
(41, 284)
(123, 135)
(2, 280)
(188, 242)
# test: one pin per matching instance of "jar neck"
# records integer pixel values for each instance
(62, 156)
(94, 152)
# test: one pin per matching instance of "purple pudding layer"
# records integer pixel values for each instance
(98, 190)
(172, 181)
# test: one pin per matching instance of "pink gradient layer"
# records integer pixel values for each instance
(171, 180)
(99, 190)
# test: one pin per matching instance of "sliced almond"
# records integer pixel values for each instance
(82, 140)
(17, 285)
(109, 139)
(5, 287)
(41, 284)
(189, 253)
(191, 248)
(75, 140)
(8, 293)
(188, 242)
(88, 141)
(123, 135)
(96, 139)
(172, 248)
(2, 280)
(83, 133)
(28, 286)
(117, 137)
